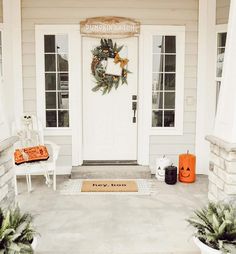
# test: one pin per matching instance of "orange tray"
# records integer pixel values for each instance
(31, 154)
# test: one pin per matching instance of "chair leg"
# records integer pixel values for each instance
(29, 183)
(16, 188)
(54, 180)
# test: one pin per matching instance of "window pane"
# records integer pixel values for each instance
(220, 53)
(220, 61)
(51, 100)
(169, 118)
(157, 81)
(157, 117)
(63, 100)
(218, 85)
(50, 81)
(158, 44)
(49, 43)
(157, 100)
(170, 46)
(169, 63)
(222, 39)
(169, 81)
(50, 62)
(169, 102)
(62, 43)
(63, 81)
(51, 119)
(158, 63)
(62, 62)
(63, 119)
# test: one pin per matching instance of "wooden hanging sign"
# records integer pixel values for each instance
(115, 27)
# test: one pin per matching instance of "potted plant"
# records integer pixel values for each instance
(215, 226)
(17, 234)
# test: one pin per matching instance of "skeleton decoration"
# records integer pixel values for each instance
(27, 135)
(161, 164)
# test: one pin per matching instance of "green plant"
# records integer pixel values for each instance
(105, 82)
(215, 226)
(16, 232)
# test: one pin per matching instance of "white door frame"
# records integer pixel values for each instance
(77, 126)
(144, 113)
(76, 102)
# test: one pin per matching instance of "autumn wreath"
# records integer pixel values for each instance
(108, 68)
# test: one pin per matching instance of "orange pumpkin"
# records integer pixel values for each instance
(187, 165)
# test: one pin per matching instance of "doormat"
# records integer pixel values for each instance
(109, 186)
(74, 187)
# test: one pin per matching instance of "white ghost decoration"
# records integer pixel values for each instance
(161, 164)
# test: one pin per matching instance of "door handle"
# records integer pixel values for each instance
(134, 107)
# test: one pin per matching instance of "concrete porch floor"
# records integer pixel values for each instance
(113, 224)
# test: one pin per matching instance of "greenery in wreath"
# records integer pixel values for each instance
(108, 68)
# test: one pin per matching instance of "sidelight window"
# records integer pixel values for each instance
(164, 66)
(221, 43)
(163, 81)
(56, 71)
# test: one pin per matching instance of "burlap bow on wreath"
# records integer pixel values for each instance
(108, 68)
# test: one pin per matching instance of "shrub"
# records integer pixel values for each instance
(215, 226)
(16, 232)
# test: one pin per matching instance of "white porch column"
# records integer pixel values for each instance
(206, 88)
(222, 176)
(225, 124)
(12, 59)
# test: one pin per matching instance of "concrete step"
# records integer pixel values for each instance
(111, 172)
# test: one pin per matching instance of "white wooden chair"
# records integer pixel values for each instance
(30, 133)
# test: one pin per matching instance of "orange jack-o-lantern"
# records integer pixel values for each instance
(187, 164)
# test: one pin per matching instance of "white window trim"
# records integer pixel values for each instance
(40, 31)
(146, 55)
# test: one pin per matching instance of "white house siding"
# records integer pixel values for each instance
(222, 11)
(64, 159)
(159, 12)
(1, 12)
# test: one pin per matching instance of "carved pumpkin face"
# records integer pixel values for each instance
(160, 171)
(161, 164)
(187, 168)
(185, 173)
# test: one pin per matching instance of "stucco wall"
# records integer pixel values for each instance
(161, 12)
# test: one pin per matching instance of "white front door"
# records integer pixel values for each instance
(109, 132)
